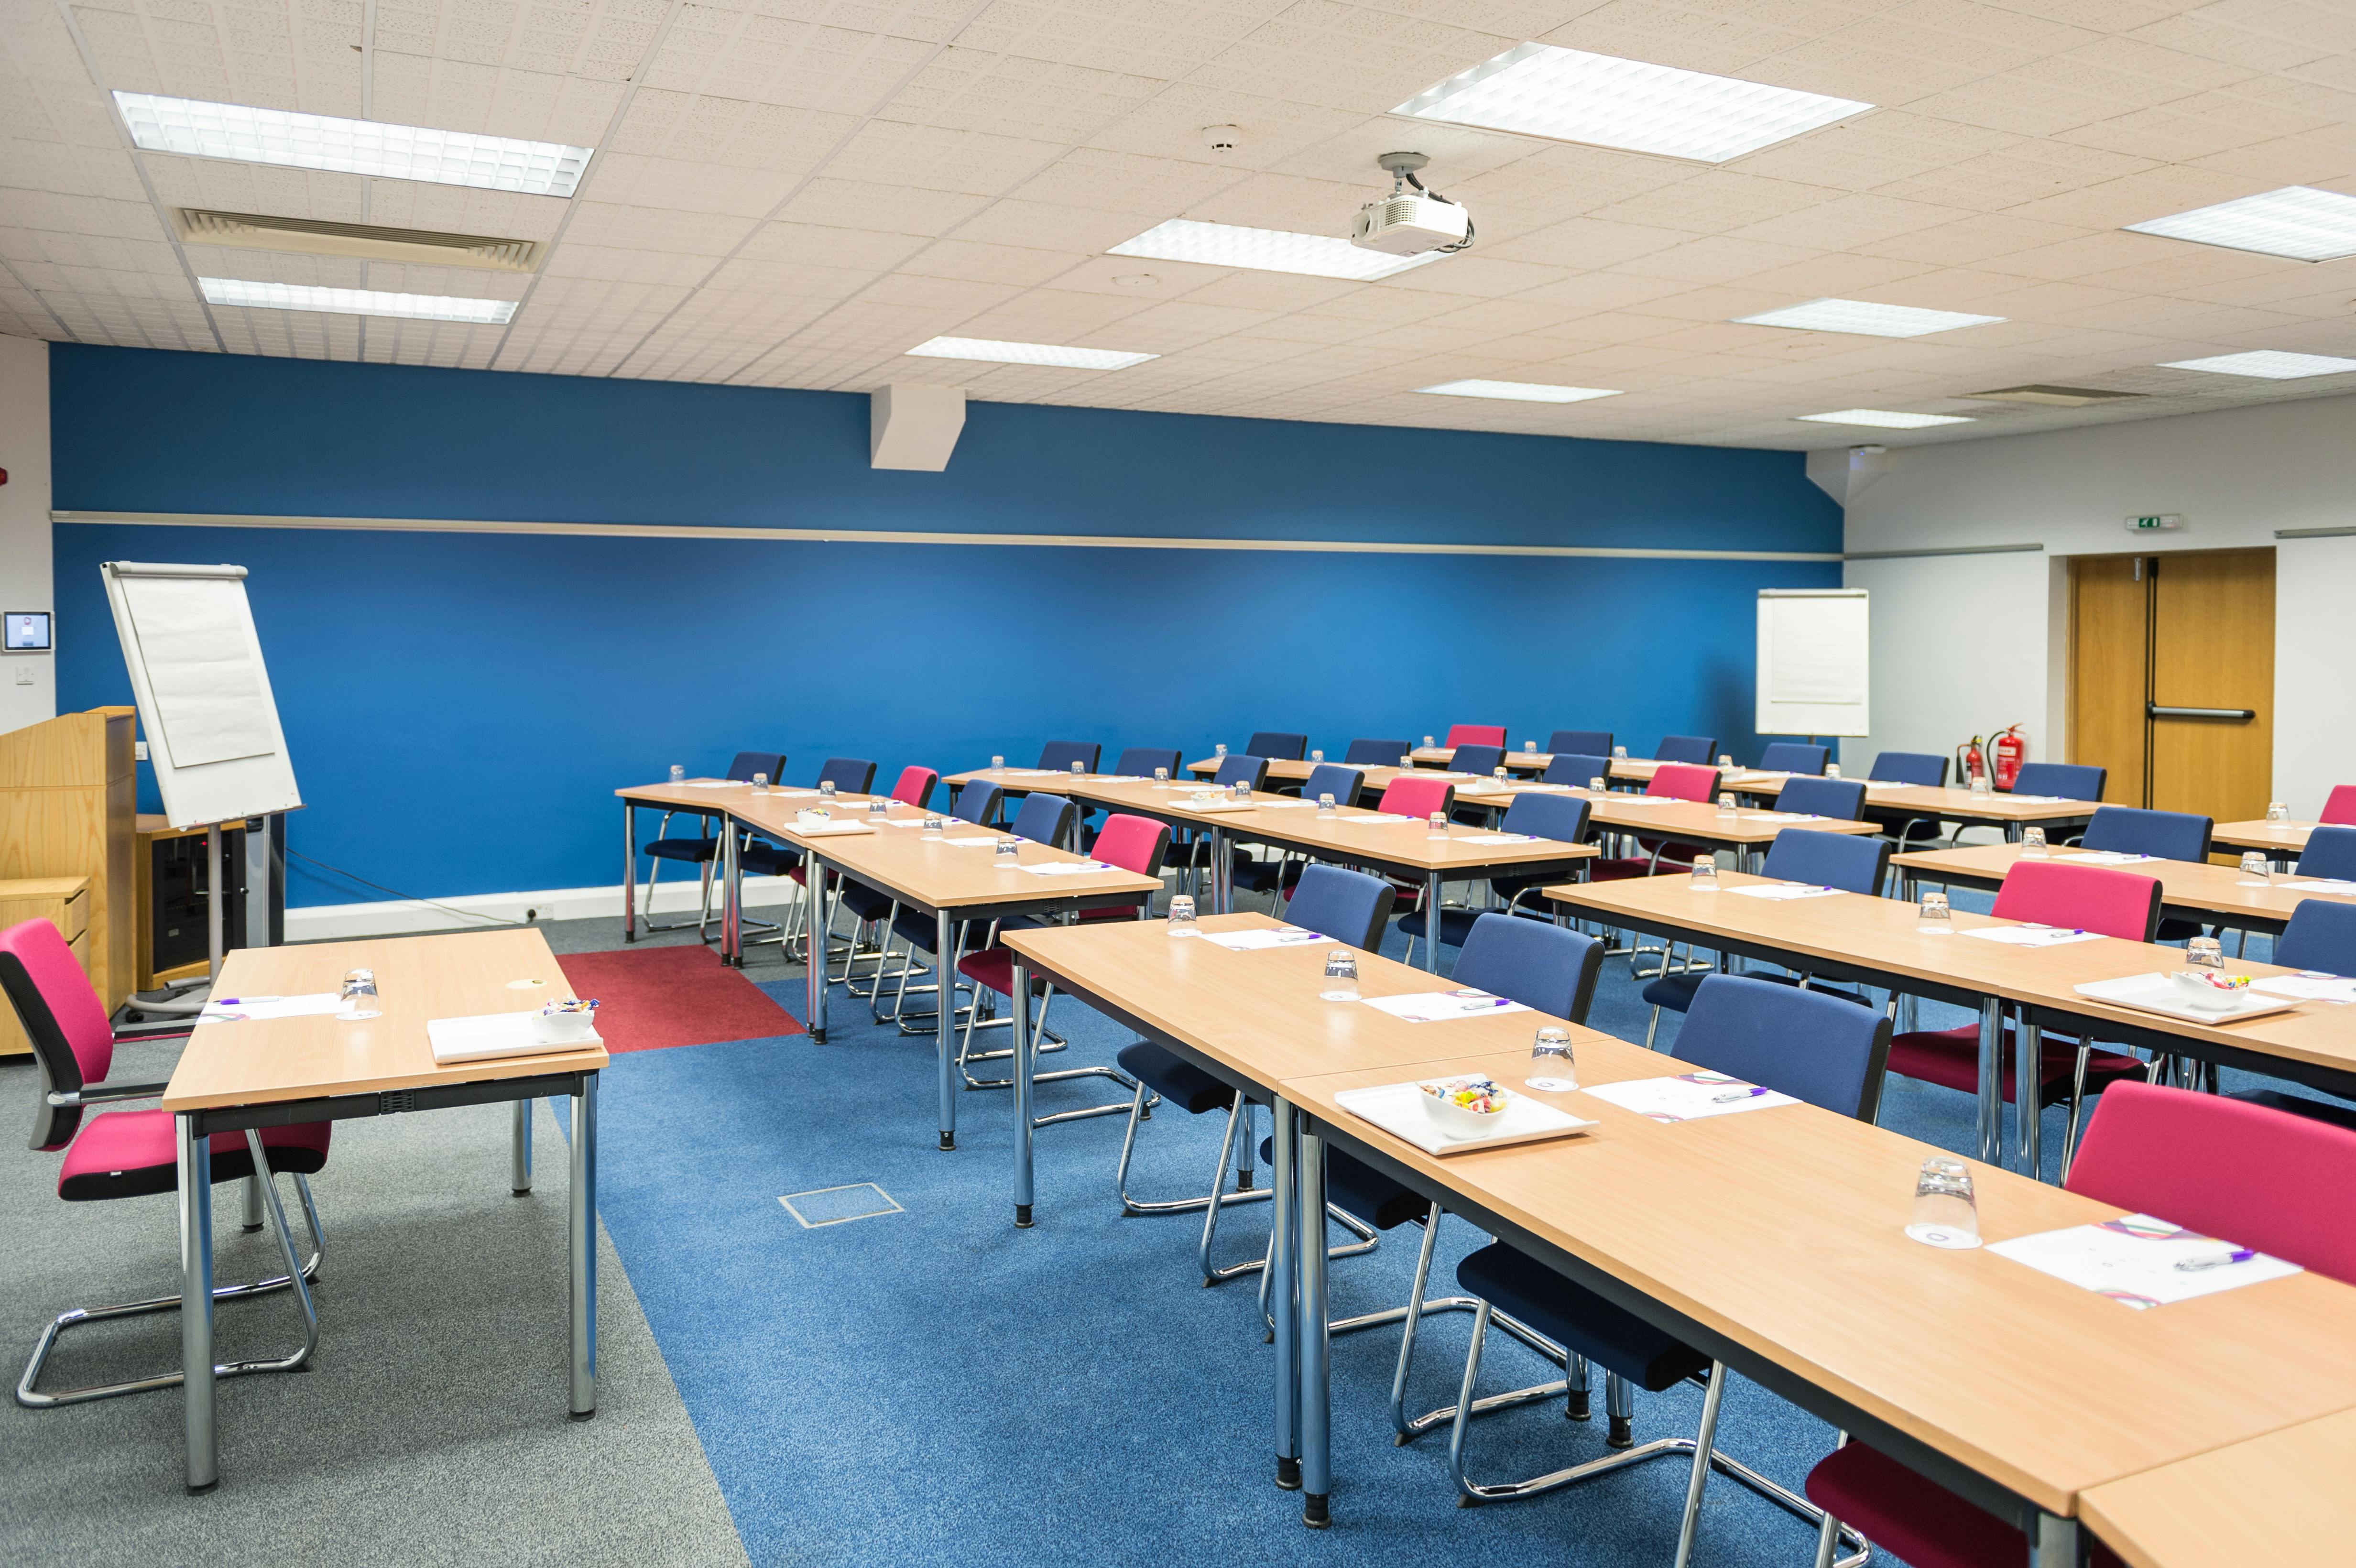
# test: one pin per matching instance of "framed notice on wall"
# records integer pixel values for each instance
(1814, 676)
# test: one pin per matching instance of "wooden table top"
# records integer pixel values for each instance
(1783, 1230)
(2185, 885)
(457, 975)
(1955, 804)
(1876, 934)
(2283, 1497)
(1257, 1014)
(1286, 769)
(1287, 820)
(1692, 821)
(2286, 838)
(1638, 769)
(1022, 781)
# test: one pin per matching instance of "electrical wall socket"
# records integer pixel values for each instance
(24, 673)
(138, 750)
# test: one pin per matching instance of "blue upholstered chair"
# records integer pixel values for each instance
(2165, 835)
(1377, 754)
(1060, 754)
(1701, 749)
(1563, 816)
(1781, 1038)
(1854, 863)
(1280, 744)
(850, 775)
(2071, 781)
(1273, 876)
(1477, 760)
(1138, 761)
(1925, 769)
(1578, 769)
(2321, 937)
(976, 804)
(1842, 800)
(1589, 742)
(703, 849)
(1795, 757)
(1351, 908)
(2330, 853)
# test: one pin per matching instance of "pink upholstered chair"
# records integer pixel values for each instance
(2048, 892)
(2340, 807)
(1476, 735)
(132, 1153)
(2259, 1178)
(915, 786)
(1673, 781)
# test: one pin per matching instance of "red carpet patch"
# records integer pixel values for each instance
(651, 998)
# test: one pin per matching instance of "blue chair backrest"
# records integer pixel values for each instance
(2132, 830)
(1043, 819)
(1795, 757)
(1479, 760)
(851, 775)
(1577, 769)
(1060, 754)
(1843, 799)
(2330, 852)
(1377, 754)
(1924, 768)
(1854, 863)
(1138, 761)
(2321, 936)
(979, 803)
(1279, 743)
(2071, 781)
(747, 764)
(1550, 967)
(1250, 772)
(1332, 778)
(1811, 1046)
(1702, 749)
(1351, 907)
(1562, 817)
(1586, 742)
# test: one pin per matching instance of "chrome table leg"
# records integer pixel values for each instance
(814, 964)
(1432, 922)
(732, 898)
(1018, 1008)
(1316, 1371)
(944, 1022)
(520, 1150)
(582, 1204)
(1283, 1262)
(1991, 1080)
(197, 1303)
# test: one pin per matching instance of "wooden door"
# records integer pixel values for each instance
(2213, 649)
(2110, 658)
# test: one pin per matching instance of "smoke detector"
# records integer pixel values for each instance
(1223, 138)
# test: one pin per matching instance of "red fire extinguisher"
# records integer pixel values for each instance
(1971, 762)
(2011, 747)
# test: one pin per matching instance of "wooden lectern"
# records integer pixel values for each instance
(68, 801)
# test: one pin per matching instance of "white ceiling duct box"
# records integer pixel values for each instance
(912, 426)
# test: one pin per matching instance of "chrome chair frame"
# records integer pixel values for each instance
(297, 1278)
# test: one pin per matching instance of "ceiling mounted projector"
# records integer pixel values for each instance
(1410, 224)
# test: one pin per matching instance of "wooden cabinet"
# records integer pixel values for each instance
(66, 803)
(64, 902)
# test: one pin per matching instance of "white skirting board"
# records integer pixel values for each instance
(393, 917)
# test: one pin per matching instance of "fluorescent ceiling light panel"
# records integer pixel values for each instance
(357, 301)
(2297, 221)
(351, 146)
(1884, 419)
(1870, 320)
(2271, 363)
(1267, 250)
(1053, 354)
(1570, 95)
(1518, 391)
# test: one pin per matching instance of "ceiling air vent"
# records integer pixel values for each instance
(2052, 396)
(366, 241)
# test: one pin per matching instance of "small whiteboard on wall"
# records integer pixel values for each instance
(203, 693)
(1813, 657)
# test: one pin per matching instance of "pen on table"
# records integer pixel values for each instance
(2238, 1255)
(1732, 1095)
(243, 1001)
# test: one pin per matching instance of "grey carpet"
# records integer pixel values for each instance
(432, 1426)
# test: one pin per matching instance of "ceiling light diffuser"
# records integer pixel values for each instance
(2297, 221)
(1053, 353)
(1861, 316)
(2271, 363)
(1518, 391)
(1267, 250)
(1570, 95)
(357, 301)
(1884, 419)
(351, 146)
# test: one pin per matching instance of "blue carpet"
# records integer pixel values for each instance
(934, 1386)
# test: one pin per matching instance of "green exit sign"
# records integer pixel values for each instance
(2157, 522)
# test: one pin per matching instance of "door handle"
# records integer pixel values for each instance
(2156, 710)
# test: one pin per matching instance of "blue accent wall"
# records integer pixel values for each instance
(461, 706)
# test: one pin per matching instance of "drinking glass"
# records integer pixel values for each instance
(1596, 784)
(1325, 805)
(997, 764)
(1239, 790)
(1832, 770)
(1945, 1213)
(1726, 761)
(1341, 983)
(2032, 845)
(878, 808)
(1933, 918)
(358, 995)
(1181, 917)
(1980, 784)
(932, 828)
(1620, 754)
(1219, 750)
(1008, 855)
(1436, 827)
(2204, 952)
(678, 774)
(1529, 745)
(2277, 812)
(1555, 1069)
(1316, 756)
(760, 783)
(1704, 874)
(1161, 778)
(1726, 806)
(1407, 761)
(1079, 768)
(1426, 743)
(2256, 870)
(1498, 774)
(826, 789)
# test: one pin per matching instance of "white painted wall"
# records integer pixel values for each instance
(25, 580)
(1962, 643)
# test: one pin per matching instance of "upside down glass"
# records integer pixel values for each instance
(2032, 845)
(358, 995)
(1945, 1213)
(1933, 918)
(2256, 870)
(1340, 982)
(1181, 917)
(1555, 1069)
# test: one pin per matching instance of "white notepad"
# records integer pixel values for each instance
(488, 1036)
(1689, 1096)
(2032, 935)
(2135, 1261)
